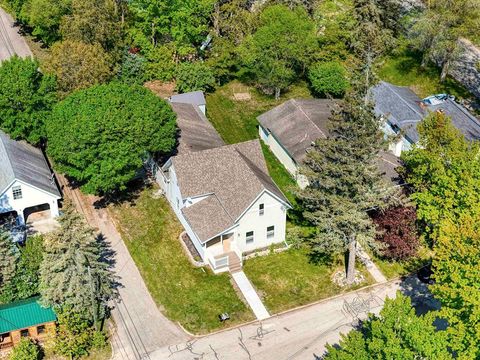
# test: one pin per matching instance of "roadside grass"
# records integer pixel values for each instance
(394, 269)
(403, 68)
(289, 279)
(192, 296)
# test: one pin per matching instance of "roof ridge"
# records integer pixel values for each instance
(390, 86)
(308, 117)
(224, 208)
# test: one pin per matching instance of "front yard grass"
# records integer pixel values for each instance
(192, 296)
(289, 279)
(394, 269)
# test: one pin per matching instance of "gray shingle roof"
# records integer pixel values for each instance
(297, 123)
(235, 174)
(23, 162)
(387, 164)
(195, 98)
(403, 108)
(196, 132)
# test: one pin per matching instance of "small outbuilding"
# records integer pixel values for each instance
(25, 318)
(196, 98)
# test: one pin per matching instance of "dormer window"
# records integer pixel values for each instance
(261, 209)
(17, 192)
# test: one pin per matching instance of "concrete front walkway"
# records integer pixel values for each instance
(370, 265)
(250, 295)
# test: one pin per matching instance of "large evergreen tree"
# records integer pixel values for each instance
(397, 333)
(74, 273)
(344, 181)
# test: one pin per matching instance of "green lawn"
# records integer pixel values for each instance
(289, 279)
(192, 296)
(394, 269)
(403, 68)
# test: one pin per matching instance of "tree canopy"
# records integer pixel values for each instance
(26, 97)
(100, 136)
(396, 333)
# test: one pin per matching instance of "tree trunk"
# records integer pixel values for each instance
(352, 252)
(277, 93)
(445, 70)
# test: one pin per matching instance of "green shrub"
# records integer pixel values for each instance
(328, 78)
(26, 349)
(132, 69)
(194, 76)
(160, 64)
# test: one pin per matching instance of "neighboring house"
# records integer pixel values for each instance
(403, 110)
(26, 181)
(292, 128)
(25, 318)
(222, 194)
(196, 98)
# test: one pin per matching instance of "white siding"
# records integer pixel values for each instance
(31, 196)
(274, 214)
(278, 151)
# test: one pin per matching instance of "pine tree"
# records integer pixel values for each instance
(75, 272)
(344, 181)
(9, 256)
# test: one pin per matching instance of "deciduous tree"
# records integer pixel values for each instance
(328, 78)
(8, 261)
(282, 46)
(77, 65)
(397, 333)
(100, 136)
(26, 98)
(194, 76)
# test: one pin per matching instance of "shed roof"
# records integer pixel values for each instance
(23, 314)
(234, 175)
(194, 97)
(22, 161)
(196, 132)
(297, 123)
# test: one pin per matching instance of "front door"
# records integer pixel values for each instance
(226, 243)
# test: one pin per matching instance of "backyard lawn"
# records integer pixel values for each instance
(192, 296)
(403, 68)
(289, 279)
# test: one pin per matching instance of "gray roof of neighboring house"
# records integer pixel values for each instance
(23, 162)
(297, 123)
(195, 98)
(388, 163)
(196, 132)
(404, 109)
(232, 176)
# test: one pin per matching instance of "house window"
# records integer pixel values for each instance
(261, 209)
(249, 237)
(17, 192)
(270, 232)
(4, 337)
(41, 329)
(24, 333)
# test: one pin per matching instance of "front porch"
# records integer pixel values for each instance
(223, 255)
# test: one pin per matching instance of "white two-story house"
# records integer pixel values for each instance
(222, 194)
(26, 181)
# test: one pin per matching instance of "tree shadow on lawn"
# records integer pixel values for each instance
(129, 195)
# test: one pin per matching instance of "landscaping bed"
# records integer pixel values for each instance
(290, 279)
(192, 296)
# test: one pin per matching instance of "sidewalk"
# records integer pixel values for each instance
(11, 42)
(250, 295)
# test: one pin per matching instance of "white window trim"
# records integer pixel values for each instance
(271, 233)
(261, 209)
(248, 237)
(18, 189)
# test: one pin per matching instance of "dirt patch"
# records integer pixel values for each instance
(242, 96)
(160, 88)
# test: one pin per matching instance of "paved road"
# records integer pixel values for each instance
(300, 334)
(11, 42)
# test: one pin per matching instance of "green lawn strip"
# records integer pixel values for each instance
(192, 296)
(289, 279)
(403, 68)
(394, 269)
